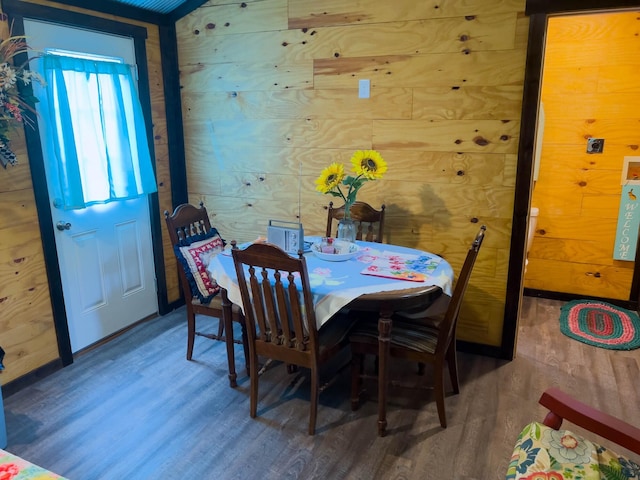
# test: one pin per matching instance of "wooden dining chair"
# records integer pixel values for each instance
(280, 316)
(194, 241)
(369, 221)
(419, 339)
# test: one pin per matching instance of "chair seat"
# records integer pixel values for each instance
(544, 453)
(216, 303)
(419, 337)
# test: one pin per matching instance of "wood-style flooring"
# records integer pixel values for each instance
(135, 408)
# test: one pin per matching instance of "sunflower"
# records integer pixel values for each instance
(330, 178)
(369, 164)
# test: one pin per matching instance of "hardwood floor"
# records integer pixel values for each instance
(135, 408)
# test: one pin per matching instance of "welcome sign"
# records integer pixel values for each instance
(629, 214)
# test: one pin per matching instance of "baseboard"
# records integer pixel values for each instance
(480, 349)
(30, 378)
(567, 297)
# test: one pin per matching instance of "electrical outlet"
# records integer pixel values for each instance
(595, 145)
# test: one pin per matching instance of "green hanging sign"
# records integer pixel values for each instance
(628, 223)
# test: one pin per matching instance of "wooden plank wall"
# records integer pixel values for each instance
(27, 331)
(270, 97)
(590, 89)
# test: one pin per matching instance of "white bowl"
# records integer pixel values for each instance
(345, 251)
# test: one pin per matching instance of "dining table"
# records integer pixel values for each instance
(380, 278)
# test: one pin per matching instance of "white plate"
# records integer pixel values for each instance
(346, 250)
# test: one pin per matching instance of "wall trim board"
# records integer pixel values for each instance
(173, 106)
(185, 9)
(570, 6)
(30, 378)
(17, 8)
(121, 10)
(535, 52)
(567, 297)
(136, 13)
(480, 349)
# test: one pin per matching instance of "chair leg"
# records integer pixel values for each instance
(315, 393)
(245, 347)
(439, 392)
(227, 321)
(253, 396)
(356, 372)
(191, 332)
(221, 329)
(452, 361)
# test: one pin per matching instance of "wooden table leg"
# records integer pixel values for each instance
(227, 316)
(384, 341)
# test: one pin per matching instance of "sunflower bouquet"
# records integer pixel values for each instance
(367, 165)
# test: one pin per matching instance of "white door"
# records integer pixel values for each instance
(104, 251)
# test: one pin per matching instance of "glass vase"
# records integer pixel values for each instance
(346, 226)
(347, 230)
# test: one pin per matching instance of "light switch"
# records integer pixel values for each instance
(364, 89)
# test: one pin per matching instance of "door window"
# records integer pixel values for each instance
(96, 133)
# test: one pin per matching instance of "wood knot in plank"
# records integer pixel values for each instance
(483, 142)
(460, 173)
(582, 184)
(19, 260)
(211, 26)
(474, 220)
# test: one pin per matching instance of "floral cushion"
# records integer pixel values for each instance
(15, 468)
(195, 258)
(542, 453)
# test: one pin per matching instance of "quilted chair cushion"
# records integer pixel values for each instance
(542, 453)
(195, 257)
(413, 336)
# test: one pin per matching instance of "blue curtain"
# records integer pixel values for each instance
(96, 137)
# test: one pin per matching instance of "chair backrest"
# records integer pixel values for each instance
(365, 217)
(448, 326)
(281, 322)
(185, 222)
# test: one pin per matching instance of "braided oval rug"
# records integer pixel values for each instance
(600, 324)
